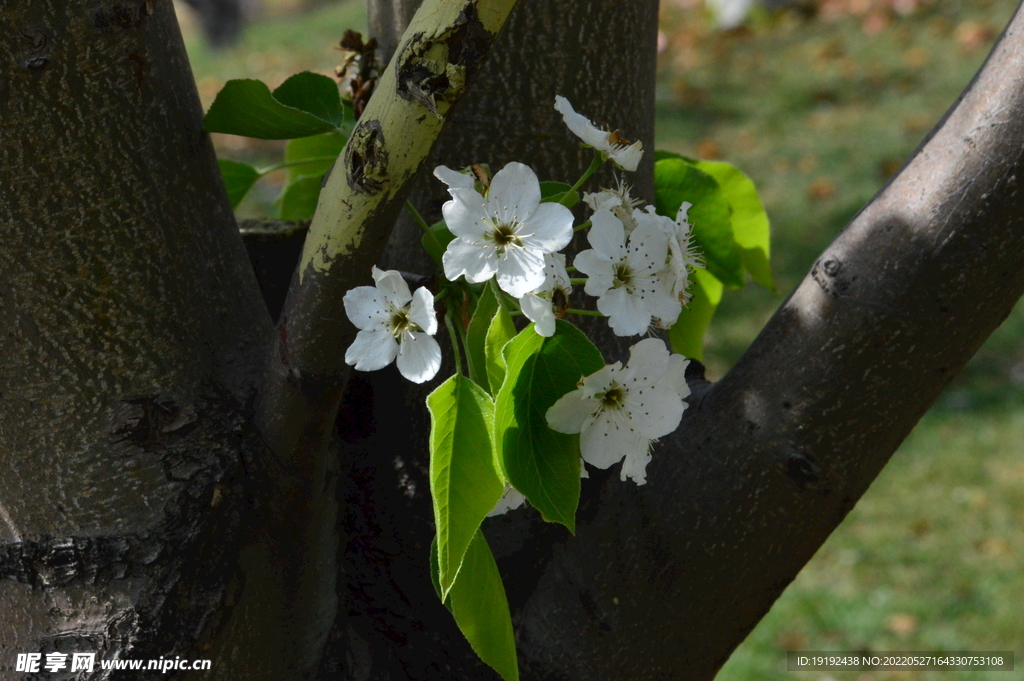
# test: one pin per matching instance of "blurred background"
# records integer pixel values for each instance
(819, 101)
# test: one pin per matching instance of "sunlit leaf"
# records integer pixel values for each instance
(687, 334)
(476, 337)
(542, 464)
(499, 333)
(749, 219)
(480, 607)
(676, 181)
(464, 485)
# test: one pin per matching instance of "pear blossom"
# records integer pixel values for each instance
(393, 323)
(543, 305)
(682, 253)
(505, 234)
(627, 276)
(619, 201)
(453, 178)
(626, 155)
(511, 499)
(619, 410)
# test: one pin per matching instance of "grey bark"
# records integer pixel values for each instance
(132, 334)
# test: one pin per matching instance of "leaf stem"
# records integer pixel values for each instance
(594, 165)
(419, 219)
(577, 280)
(586, 224)
(586, 313)
(454, 336)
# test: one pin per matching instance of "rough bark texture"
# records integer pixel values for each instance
(132, 329)
(664, 581)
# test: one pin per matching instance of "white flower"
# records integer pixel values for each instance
(628, 279)
(618, 201)
(610, 143)
(546, 303)
(393, 323)
(453, 178)
(505, 235)
(682, 254)
(511, 499)
(619, 410)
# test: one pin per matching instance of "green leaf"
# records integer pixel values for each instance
(315, 94)
(675, 181)
(299, 199)
(463, 482)
(481, 609)
(540, 463)
(555, 192)
(499, 333)
(749, 219)
(687, 334)
(312, 155)
(476, 337)
(435, 575)
(247, 108)
(238, 179)
(660, 154)
(437, 240)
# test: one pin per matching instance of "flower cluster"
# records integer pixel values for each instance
(504, 229)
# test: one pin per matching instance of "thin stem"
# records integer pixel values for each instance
(594, 165)
(419, 219)
(586, 224)
(570, 268)
(290, 164)
(454, 337)
(575, 281)
(586, 313)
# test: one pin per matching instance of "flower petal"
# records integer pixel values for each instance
(629, 157)
(548, 229)
(635, 463)
(607, 438)
(571, 411)
(419, 357)
(520, 271)
(421, 312)
(626, 315)
(648, 249)
(514, 193)
(600, 272)
(581, 126)
(675, 376)
(464, 214)
(365, 307)
(511, 499)
(538, 311)
(392, 286)
(453, 178)
(371, 350)
(648, 361)
(476, 260)
(607, 235)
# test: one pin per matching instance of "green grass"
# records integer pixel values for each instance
(819, 114)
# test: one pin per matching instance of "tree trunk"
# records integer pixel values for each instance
(133, 329)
